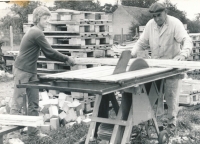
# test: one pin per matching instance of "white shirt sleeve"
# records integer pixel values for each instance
(182, 37)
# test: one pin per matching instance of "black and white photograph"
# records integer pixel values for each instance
(100, 72)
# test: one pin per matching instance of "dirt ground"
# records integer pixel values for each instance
(6, 89)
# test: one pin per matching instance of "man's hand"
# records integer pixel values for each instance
(133, 53)
(70, 61)
(180, 58)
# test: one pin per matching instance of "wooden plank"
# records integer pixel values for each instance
(117, 129)
(21, 120)
(151, 62)
(62, 36)
(75, 50)
(73, 74)
(66, 45)
(133, 74)
(9, 129)
(61, 32)
(110, 121)
(114, 78)
(90, 76)
(91, 130)
(128, 128)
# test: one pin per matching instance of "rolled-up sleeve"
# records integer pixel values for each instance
(182, 37)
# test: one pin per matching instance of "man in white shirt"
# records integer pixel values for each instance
(167, 39)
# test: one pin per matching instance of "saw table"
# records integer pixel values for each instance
(140, 84)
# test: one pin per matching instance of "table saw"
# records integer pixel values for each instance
(141, 87)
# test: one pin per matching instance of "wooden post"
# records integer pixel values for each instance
(122, 37)
(11, 37)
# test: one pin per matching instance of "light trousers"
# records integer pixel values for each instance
(19, 93)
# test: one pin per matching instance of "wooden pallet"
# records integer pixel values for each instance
(75, 40)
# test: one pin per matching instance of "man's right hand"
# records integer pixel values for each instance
(133, 53)
(70, 61)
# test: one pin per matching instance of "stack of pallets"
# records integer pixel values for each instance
(75, 33)
(196, 46)
(195, 54)
(190, 92)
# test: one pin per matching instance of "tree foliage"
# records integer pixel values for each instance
(23, 9)
(138, 3)
(79, 5)
(19, 15)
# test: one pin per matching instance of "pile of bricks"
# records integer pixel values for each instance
(61, 110)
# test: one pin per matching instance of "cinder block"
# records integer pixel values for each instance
(69, 98)
(54, 101)
(88, 116)
(62, 115)
(44, 95)
(44, 109)
(47, 118)
(53, 111)
(45, 127)
(65, 106)
(86, 121)
(60, 103)
(55, 124)
(62, 96)
(79, 110)
(71, 115)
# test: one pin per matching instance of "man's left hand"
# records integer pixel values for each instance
(179, 58)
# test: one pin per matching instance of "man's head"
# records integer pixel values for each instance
(41, 15)
(158, 12)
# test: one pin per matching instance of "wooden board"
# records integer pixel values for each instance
(151, 62)
(107, 77)
(21, 120)
(78, 73)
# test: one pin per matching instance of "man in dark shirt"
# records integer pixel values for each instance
(26, 65)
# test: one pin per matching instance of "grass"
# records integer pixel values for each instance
(70, 135)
